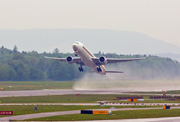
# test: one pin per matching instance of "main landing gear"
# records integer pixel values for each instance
(99, 69)
(81, 69)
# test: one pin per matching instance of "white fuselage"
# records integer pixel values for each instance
(86, 57)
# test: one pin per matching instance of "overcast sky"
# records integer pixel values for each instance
(156, 18)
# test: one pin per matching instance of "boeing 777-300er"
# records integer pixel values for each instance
(88, 59)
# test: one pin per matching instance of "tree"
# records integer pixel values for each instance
(22, 73)
(58, 71)
(4, 72)
(15, 49)
(12, 75)
(32, 66)
(21, 69)
(43, 65)
(56, 51)
(18, 57)
(36, 74)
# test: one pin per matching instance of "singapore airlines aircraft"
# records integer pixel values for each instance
(88, 59)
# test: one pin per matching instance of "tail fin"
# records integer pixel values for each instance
(114, 72)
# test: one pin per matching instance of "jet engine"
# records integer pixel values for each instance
(102, 60)
(69, 59)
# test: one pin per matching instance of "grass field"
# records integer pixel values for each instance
(59, 99)
(29, 109)
(130, 114)
(167, 92)
(73, 99)
(147, 101)
(35, 85)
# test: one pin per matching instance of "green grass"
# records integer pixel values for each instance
(29, 109)
(59, 99)
(153, 92)
(173, 92)
(73, 99)
(129, 114)
(147, 101)
(35, 85)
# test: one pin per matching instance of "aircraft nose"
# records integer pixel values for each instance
(75, 47)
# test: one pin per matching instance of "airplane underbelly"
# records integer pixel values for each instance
(89, 63)
(86, 59)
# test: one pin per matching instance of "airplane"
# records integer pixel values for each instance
(88, 59)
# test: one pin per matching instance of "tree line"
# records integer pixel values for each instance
(32, 66)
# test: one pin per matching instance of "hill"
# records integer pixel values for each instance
(108, 41)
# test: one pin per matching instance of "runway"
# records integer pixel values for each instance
(38, 115)
(164, 119)
(72, 91)
(94, 104)
(66, 92)
(55, 92)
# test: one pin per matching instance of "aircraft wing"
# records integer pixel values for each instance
(116, 60)
(75, 60)
(54, 58)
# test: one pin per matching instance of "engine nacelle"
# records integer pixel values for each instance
(69, 59)
(102, 60)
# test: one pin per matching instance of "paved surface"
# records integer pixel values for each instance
(84, 104)
(66, 91)
(71, 91)
(38, 115)
(55, 92)
(48, 114)
(164, 119)
(89, 104)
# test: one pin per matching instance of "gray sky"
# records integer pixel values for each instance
(156, 18)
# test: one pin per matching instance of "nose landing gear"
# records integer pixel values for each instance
(75, 54)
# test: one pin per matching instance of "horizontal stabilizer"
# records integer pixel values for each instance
(107, 72)
(114, 72)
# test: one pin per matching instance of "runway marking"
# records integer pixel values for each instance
(65, 92)
(48, 114)
(95, 104)
(55, 92)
